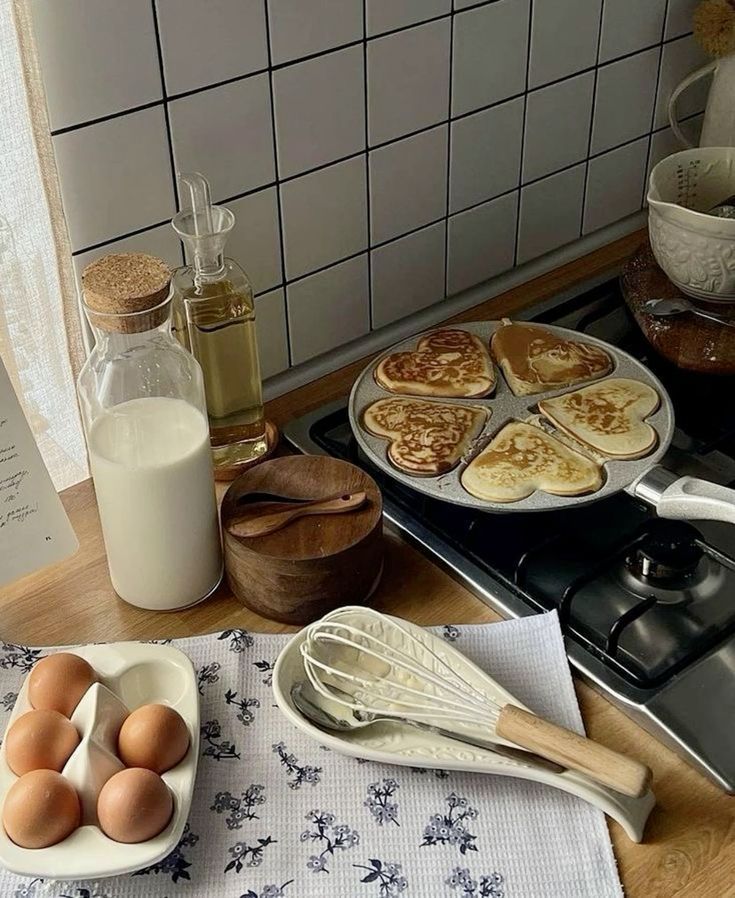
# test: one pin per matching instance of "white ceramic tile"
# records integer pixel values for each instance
(564, 37)
(161, 241)
(226, 134)
(624, 100)
(385, 15)
(551, 213)
(86, 47)
(408, 80)
(203, 43)
(270, 329)
(324, 216)
(630, 25)
(557, 125)
(679, 58)
(664, 143)
(329, 309)
(301, 27)
(408, 184)
(320, 110)
(679, 17)
(115, 177)
(481, 242)
(255, 240)
(615, 185)
(485, 154)
(489, 58)
(408, 274)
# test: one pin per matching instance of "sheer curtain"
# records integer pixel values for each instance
(40, 337)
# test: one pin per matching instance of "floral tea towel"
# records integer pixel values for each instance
(276, 815)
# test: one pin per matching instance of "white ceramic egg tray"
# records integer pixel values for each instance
(129, 674)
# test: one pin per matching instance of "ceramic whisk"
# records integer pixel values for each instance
(384, 669)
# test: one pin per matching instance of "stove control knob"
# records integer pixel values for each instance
(669, 551)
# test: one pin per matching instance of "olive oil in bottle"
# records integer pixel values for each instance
(214, 300)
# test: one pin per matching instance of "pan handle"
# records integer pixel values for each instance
(685, 497)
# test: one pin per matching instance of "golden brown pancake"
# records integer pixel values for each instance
(608, 416)
(522, 458)
(427, 438)
(445, 363)
(534, 359)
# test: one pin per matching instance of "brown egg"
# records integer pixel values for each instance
(40, 740)
(59, 681)
(41, 809)
(154, 737)
(134, 805)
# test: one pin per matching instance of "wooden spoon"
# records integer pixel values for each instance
(275, 515)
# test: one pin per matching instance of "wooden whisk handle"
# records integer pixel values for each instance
(573, 751)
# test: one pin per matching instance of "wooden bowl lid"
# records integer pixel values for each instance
(306, 477)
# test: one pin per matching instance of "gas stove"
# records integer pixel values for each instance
(647, 606)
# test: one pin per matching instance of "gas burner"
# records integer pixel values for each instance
(668, 555)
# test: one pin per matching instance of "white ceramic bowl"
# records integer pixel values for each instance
(696, 250)
(129, 674)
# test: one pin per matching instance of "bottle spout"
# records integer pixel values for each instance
(203, 228)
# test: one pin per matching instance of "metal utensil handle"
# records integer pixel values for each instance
(619, 772)
(685, 497)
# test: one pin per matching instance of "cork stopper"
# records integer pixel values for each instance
(121, 287)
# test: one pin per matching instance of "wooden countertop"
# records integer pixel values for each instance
(690, 839)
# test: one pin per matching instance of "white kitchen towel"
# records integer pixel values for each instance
(275, 815)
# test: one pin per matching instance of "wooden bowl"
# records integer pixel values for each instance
(315, 563)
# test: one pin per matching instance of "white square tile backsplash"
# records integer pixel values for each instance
(408, 184)
(489, 54)
(380, 155)
(300, 28)
(558, 126)
(564, 38)
(338, 299)
(485, 153)
(550, 214)
(408, 80)
(387, 15)
(87, 48)
(320, 110)
(626, 93)
(235, 28)
(324, 216)
(408, 274)
(211, 129)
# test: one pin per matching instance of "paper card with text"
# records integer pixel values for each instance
(34, 528)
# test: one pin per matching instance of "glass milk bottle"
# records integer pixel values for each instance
(144, 413)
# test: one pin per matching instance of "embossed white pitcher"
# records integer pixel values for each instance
(718, 129)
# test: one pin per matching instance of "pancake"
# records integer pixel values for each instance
(426, 438)
(446, 363)
(608, 416)
(521, 459)
(534, 359)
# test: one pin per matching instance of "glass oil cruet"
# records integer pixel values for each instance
(215, 301)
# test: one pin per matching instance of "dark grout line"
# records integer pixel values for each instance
(166, 116)
(107, 118)
(449, 157)
(592, 123)
(182, 95)
(523, 134)
(367, 163)
(110, 240)
(655, 105)
(279, 209)
(245, 193)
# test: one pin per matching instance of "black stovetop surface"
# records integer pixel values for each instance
(574, 560)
